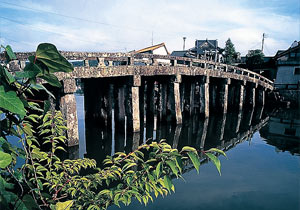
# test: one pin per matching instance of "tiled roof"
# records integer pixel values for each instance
(282, 53)
(154, 47)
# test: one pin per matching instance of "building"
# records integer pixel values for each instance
(159, 49)
(287, 82)
(204, 49)
(288, 67)
(267, 68)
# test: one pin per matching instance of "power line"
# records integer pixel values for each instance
(22, 42)
(90, 21)
(57, 33)
(76, 18)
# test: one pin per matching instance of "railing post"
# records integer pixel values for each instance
(86, 63)
(22, 64)
(101, 62)
(173, 62)
(154, 62)
(130, 61)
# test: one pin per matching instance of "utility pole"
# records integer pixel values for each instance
(262, 43)
(184, 38)
(152, 39)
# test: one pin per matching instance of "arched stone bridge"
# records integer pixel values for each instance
(135, 85)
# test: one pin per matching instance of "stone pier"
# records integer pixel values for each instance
(206, 97)
(242, 96)
(69, 111)
(135, 103)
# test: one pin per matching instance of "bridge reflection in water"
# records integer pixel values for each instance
(223, 131)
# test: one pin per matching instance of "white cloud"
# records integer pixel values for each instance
(131, 22)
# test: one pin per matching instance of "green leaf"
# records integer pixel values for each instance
(172, 165)
(42, 87)
(127, 166)
(4, 184)
(168, 183)
(47, 106)
(49, 56)
(5, 159)
(188, 149)
(218, 151)
(29, 202)
(215, 161)
(64, 205)
(10, 102)
(51, 79)
(9, 77)
(31, 70)
(10, 55)
(195, 160)
(157, 170)
(179, 163)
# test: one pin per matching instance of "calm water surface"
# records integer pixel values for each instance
(262, 170)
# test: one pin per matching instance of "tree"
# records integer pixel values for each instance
(45, 181)
(230, 53)
(254, 59)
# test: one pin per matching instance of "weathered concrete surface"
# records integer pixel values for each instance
(177, 103)
(242, 93)
(118, 71)
(135, 109)
(68, 109)
(146, 67)
(206, 95)
(69, 86)
(191, 66)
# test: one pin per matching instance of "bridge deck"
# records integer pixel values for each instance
(129, 64)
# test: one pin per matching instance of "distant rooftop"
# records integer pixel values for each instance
(151, 48)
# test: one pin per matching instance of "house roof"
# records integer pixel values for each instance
(206, 43)
(151, 48)
(280, 53)
(183, 53)
(179, 53)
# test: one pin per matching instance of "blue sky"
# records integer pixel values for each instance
(126, 25)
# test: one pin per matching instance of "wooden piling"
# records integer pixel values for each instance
(206, 96)
(177, 103)
(241, 101)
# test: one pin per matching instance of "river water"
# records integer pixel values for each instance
(262, 170)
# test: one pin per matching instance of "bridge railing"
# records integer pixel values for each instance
(116, 59)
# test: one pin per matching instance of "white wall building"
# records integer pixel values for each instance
(288, 67)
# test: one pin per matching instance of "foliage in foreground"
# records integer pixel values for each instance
(47, 182)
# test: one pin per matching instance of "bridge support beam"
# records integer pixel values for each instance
(135, 101)
(242, 93)
(177, 103)
(162, 111)
(69, 111)
(206, 97)
(261, 96)
(225, 95)
(135, 109)
(252, 95)
(150, 108)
